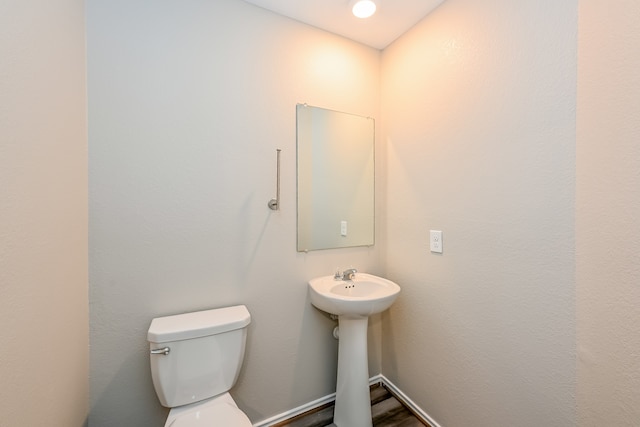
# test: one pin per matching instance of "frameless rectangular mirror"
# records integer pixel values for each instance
(335, 179)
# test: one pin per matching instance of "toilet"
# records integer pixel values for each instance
(195, 361)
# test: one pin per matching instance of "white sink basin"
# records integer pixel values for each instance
(353, 301)
(366, 294)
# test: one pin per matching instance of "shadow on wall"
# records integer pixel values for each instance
(313, 343)
(390, 361)
(120, 397)
(319, 341)
(247, 253)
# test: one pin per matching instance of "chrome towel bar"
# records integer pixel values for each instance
(274, 204)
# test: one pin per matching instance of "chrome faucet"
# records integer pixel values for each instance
(349, 274)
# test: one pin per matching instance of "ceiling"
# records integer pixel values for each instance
(392, 19)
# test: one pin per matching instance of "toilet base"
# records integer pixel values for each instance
(205, 409)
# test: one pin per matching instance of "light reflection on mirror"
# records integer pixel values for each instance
(335, 179)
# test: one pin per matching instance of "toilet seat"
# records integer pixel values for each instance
(221, 414)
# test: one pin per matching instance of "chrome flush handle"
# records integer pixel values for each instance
(164, 351)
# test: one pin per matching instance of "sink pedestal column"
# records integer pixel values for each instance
(353, 403)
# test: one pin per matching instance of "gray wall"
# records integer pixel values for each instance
(479, 109)
(187, 105)
(44, 356)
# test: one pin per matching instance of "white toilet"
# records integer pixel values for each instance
(195, 360)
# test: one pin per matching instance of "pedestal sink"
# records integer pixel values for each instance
(353, 301)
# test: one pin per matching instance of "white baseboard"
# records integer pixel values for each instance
(331, 397)
(296, 411)
(419, 412)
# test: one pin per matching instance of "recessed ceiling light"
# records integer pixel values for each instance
(363, 8)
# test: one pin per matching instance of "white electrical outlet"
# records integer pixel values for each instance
(343, 228)
(435, 241)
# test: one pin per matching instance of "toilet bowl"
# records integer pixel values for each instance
(218, 411)
(195, 361)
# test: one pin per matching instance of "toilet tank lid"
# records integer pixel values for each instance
(198, 324)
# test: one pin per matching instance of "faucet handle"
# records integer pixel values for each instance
(338, 275)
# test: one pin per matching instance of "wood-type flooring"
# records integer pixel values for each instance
(386, 411)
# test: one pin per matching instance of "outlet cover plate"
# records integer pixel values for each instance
(435, 241)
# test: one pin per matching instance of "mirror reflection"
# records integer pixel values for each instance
(335, 179)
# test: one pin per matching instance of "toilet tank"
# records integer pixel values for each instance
(203, 357)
